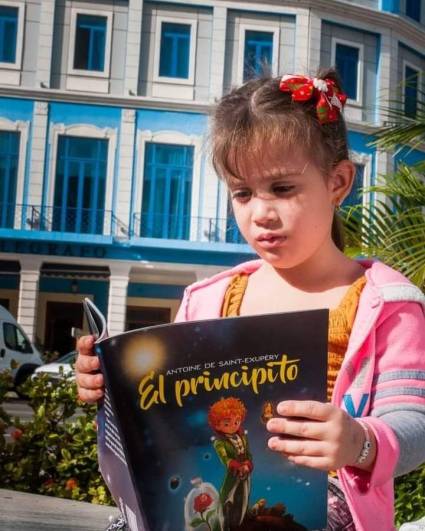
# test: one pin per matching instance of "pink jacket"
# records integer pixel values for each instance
(385, 353)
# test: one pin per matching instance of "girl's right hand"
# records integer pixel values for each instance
(90, 382)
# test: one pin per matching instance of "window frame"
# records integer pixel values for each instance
(177, 138)
(17, 65)
(365, 160)
(193, 23)
(412, 18)
(243, 28)
(358, 102)
(89, 131)
(418, 70)
(21, 127)
(108, 43)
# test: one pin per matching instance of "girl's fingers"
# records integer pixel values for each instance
(89, 381)
(305, 408)
(87, 364)
(306, 429)
(297, 447)
(89, 396)
(85, 345)
(320, 463)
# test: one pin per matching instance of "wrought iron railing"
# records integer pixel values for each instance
(105, 222)
(184, 227)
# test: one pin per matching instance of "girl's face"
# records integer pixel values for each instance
(285, 210)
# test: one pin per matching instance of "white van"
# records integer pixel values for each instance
(15, 345)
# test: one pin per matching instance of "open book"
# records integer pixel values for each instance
(181, 430)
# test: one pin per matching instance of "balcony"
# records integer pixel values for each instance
(190, 228)
(104, 223)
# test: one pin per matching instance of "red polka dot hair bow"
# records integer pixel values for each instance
(329, 99)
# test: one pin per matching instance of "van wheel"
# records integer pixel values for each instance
(22, 376)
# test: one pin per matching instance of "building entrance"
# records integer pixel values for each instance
(60, 318)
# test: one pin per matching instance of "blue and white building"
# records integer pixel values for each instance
(106, 189)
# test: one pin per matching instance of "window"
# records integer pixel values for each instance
(258, 53)
(90, 41)
(413, 9)
(140, 317)
(9, 158)
(355, 196)
(15, 339)
(8, 34)
(175, 50)
(348, 60)
(411, 87)
(79, 196)
(233, 234)
(167, 191)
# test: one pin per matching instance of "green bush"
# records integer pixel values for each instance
(410, 496)
(55, 452)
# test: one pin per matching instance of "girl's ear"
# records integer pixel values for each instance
(341, 180)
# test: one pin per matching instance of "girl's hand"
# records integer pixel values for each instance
(327, 438)
(89, 381)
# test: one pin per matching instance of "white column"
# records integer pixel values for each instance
(308, 37)
(117, 301)
(38, 153)
(125, 171)
(134, 35)
(218, 52)
(28, 295)
(45, 42)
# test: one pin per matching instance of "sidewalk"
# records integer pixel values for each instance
(20, 511)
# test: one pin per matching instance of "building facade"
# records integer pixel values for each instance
(106, 188)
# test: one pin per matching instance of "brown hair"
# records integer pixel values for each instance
(258, 114)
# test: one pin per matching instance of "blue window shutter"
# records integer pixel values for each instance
(413, 9)
(79, 199)
(354, 197)
(167, 191)
(175, 50)
(9, 158)
(411, 77)
(346, 62)
(258, 53)
(90, 43)
(8, 34)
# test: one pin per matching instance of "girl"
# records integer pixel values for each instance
(281, 147)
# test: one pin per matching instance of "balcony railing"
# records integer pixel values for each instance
(105, 222)
(61, 219)
(183, 227)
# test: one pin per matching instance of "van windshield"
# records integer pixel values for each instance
(15, 339)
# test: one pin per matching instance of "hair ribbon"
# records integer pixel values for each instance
(329, 99)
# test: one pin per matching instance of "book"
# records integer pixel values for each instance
(182, 442)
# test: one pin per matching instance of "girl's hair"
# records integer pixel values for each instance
(258, 116)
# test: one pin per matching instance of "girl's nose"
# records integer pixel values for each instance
(263, 211)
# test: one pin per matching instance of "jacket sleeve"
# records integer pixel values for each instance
(398, 388)
(182, 314)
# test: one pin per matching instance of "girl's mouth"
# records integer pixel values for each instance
(270, 241)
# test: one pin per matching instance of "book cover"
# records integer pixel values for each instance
(182, 437)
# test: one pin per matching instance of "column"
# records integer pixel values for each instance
(125, 171)
(117, 300)
(308, 38)
(134, 35)
(45, 42)
(38, 154)
(218, 47)
(28, 294)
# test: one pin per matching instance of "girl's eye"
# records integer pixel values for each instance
(281, 189)
(241, 195)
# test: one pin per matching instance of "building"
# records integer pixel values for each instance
(106, 189)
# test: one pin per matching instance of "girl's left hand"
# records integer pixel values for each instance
(327, 438)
